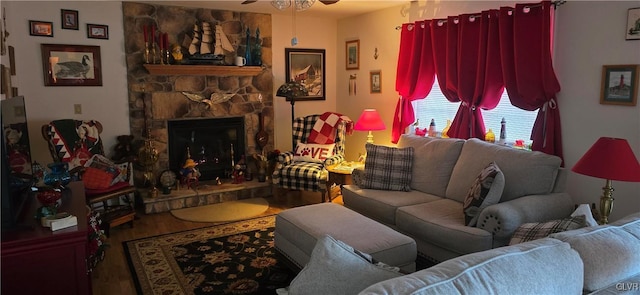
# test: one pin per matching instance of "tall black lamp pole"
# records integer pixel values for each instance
(291, 90)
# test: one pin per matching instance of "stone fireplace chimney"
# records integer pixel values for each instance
(156, 97)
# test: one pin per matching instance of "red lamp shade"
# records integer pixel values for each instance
(369, 121)
(609, 158)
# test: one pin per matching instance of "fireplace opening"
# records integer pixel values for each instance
(216, 144)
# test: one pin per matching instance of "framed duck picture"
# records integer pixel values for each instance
(71, 65)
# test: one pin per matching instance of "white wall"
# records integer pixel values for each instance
(591, 34)
(312, 33)
(107, 103)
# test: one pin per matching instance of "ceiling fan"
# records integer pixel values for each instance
(299, 4)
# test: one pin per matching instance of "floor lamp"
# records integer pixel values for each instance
(291, 90)
(610, 159)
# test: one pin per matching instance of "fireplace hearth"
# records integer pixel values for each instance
(216, 144)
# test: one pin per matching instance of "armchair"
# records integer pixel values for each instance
(294, 172)
(76, 142)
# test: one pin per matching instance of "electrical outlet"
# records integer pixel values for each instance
(77, 109)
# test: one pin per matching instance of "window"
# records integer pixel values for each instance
(518, 122)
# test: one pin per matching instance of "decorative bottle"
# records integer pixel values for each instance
(446, 129)
(503, 132)
(247, 53)
(256, 54)
(432, 128)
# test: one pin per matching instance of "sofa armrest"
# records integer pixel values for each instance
(285, 158)
(333, 160)
(503, 219)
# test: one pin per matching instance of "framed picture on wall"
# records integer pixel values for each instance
(71, 65)
(353, 54)
(619, 85)
(40, 28)
(375, 78)
(97, 31)
(69, 19)
(307, 67)
(633, 24)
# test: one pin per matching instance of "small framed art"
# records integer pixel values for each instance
(633, 24)
(97, 31)
(619, 85)
(69, 19)
(375, 78)
(353, 54)
(40, 28)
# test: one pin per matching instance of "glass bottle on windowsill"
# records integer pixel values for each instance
(503, 132)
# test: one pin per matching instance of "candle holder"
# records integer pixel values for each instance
(167, 55)
(161, 56)
(146, 52)
(154, 53)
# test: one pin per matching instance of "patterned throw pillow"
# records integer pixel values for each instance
(313, 152)
(388, 168)
(537, 230)
(486, 190)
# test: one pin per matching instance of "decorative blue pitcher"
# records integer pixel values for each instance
(58, 176)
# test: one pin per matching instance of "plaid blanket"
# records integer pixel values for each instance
(323, 131)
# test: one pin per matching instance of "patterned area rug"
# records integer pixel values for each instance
(233, 258)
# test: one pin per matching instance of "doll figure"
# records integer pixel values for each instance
(190, 174)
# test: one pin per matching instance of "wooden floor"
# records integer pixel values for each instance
(112, 276)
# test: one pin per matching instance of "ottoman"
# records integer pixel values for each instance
(298, 229)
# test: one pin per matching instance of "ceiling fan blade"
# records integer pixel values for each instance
(328, 2)
(249, 1)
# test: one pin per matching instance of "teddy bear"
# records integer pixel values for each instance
(124, 148)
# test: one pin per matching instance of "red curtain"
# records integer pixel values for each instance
(525, 38)
(475, 58)
(469, 51)
(415, 73)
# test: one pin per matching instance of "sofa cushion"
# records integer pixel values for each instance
(388, 168)
(485, 191)
(433, 161)
(610, 252)
(441, 223)
(380, 205)
(538, 230)
(545, 266)
(331, 262)
(525, 172)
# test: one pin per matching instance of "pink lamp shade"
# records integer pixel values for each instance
(369, 121)
(609, 158)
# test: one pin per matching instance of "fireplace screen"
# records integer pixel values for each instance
(215, 144)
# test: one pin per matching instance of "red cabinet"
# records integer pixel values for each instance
(36, 260)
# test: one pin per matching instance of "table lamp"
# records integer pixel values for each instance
(291, 90)
(369, 121)
(611, 159)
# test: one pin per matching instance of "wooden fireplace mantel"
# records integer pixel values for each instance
(207, 70)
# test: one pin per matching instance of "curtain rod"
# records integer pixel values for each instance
(554, 3)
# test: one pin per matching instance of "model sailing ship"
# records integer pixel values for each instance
(202, 44)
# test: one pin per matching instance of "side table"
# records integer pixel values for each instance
(340, 174)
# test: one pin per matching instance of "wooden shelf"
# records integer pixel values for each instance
(207, 70)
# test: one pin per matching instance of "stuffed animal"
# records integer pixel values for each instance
(124, 148)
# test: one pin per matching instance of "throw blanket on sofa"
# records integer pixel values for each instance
(323, 131)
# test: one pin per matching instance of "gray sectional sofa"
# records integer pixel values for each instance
(591, 260)
(443, 171)
(598, 260)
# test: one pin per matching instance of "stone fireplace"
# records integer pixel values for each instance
(159, 100)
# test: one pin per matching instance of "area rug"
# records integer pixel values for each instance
(224, 212)
(233, 258)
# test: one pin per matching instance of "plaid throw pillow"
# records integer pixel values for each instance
(486, 190)
(538, 230)
(388, 168)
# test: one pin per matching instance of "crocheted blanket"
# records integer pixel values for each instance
(323, 131)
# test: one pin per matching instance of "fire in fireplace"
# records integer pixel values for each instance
(216, 144)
